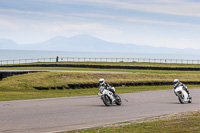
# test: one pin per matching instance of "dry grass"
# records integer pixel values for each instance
(51, 79)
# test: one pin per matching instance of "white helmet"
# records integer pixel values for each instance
(101, 81)
(176, 81)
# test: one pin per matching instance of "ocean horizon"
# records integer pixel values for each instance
(34, 54)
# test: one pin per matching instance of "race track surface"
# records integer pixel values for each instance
(70, 113)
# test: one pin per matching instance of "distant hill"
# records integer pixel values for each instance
(8, 44)
(87, 43)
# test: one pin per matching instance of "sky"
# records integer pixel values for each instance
(160, 23)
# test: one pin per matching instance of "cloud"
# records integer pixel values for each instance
(111, 19)
(92, 28)
(175, 7)
(6, 24)
(133, 19)
(14, 11)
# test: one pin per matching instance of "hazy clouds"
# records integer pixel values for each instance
(143, 22)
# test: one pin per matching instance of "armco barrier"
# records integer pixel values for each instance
(4, 74)
(108, 67)
(96, 85)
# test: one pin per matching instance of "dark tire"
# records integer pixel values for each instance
(190, 100)
(106, 100)
(118, 100)
(181, 98)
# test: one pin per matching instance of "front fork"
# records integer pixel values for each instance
(111, 97)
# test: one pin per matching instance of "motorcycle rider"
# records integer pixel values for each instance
(178, 83)
(106, 86)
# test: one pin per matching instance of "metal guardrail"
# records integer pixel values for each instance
(85, 59)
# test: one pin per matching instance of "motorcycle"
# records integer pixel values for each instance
(182, 95)
(108, 97)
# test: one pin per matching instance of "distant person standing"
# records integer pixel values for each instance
(57, 59)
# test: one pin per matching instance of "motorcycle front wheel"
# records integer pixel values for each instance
(118, 100)
(190, 100)
(181, 98)
(106, 100)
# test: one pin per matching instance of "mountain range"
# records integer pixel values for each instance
(87, 43)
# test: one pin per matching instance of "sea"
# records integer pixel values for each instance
(34, 54)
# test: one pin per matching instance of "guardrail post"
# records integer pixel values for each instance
(78, 59)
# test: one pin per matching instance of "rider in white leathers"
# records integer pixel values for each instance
(177, 83)
(106, 85)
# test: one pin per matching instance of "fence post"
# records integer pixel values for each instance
(78, 59)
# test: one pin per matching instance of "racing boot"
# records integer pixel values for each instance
(188, 93)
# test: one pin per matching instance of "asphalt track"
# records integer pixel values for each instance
(70, 113)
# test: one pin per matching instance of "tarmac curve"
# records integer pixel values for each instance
(71, 113)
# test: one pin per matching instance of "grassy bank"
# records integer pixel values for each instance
(177, 123)
(55, 79)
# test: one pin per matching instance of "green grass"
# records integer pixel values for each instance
(176, 124)
(14, 94)
(96, 69)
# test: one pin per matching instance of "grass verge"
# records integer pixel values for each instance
(13, 94)
(176, 123)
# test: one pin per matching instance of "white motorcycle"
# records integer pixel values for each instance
(182, 95)
(108, 97)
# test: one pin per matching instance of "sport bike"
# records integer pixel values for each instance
(182, 95)
(108, 97)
